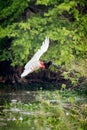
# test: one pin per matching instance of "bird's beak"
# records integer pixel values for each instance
(56, 66)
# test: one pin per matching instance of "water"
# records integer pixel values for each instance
(24, 109)
(23, 96)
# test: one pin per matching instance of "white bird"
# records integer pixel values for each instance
(35, 63)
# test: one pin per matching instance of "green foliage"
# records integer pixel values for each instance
(11, 9)
(64, 22)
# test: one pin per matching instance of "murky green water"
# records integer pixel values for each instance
(42, 110)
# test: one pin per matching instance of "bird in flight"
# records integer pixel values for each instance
(35, 63)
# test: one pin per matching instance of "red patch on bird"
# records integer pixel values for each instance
(42, 64)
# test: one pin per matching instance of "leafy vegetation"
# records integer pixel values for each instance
(25, 24)
(57, 110)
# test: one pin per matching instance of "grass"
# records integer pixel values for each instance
(51, 110)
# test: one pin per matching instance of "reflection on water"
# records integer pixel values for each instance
(24, 96)
(19, 93)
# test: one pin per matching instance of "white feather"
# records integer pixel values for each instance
(34, 64)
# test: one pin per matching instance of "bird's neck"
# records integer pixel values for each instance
(42, 64)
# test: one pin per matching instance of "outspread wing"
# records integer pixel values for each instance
(39, 53)
(34, 62)
(32, 67)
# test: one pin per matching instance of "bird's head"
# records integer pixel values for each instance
(47, 64)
